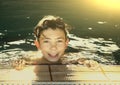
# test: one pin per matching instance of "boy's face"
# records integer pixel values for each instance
(53, 43)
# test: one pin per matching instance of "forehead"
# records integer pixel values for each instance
(52, 33)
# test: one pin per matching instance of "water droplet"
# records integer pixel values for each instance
(90, 28)
(19, 34)
(28, 17)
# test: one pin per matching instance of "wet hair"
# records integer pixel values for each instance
(52, 22)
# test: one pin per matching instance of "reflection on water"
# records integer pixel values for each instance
(92, 48)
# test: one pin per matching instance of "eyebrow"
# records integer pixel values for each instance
(56, 38)
(50, 38)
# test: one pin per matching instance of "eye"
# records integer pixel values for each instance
(60, 41)
(45, 41)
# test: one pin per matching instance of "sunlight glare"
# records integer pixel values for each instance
(109, 4)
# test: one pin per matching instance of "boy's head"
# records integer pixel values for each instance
(51, 37)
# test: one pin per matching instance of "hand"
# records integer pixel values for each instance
(19, 64)
(91, 64)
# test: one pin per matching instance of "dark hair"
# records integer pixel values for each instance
(46, 23)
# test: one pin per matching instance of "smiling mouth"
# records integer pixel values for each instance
(53, 56)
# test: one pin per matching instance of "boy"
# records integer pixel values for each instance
(51, 39)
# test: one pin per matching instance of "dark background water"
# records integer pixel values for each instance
(19, 17)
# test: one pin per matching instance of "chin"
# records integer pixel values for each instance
(53, 61)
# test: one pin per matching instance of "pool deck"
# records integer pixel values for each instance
(61, 73)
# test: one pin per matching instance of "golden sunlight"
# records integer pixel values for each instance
(108, 4)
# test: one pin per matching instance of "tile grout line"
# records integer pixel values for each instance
(104, 73)
(50, 72)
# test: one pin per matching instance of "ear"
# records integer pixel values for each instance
(37, 44)
(67, 42)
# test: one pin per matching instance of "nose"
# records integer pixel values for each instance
(53, 46)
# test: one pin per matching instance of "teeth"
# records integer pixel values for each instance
(53, 55)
